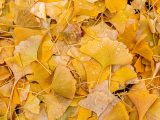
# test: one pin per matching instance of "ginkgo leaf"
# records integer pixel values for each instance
(62, 23)
(39, 10)
(143, 101)
(96, 101)
(6, 50)
(63, 82)
(42, 115)
(128, 37)
(95, 73)
(119, 20)
(142, 48)
(3, 107)
(123, 74)
(83, 114)
(23, 3)
(114, 5)
(154, 111)
(5, 90)
(4, 73)
(55, 8)
(71, 111)
(28, 49)
(84, 7)
(75, 53)
(138, 65)
(93, 70)
(39, 75)
(56, 105)
(79, 67)
(25, 33)
(46, 49)
(101, 30)
(118, 112)
(144, 29)
(16, 66)
(32, 104)
(26, 19)
(107, 52)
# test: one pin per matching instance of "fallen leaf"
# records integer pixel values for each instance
(118, 112)
(56, 105)
(143, 101)
(15, 65)
(32, 104)
(107, 52)
(4, 73)
(114, 6)
(83, 114)
(64, 85)
(28, 49)
(40, 75)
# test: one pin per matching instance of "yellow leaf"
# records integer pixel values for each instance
(142, 100)
(107, 52)
(63, 82)
(115, 6)
(32, 104)
(39, 10)
(3, 107)
(119, 20)
(145, 30)
(78, 66)
(114, 86)
(45, 51)
(124, 74)
(101, 30)
(142, 48)
(95, 73)
(139, 66)
(22, 34)
(5, 90)
(118, 112)
(75, 53)
(83, 114)
(83, 7)
(16, 97)
(96, 101)
(6, 50)
(128, 37)
(42, 115)
(16, 66)
(154, 111)
(28, 49)
(39, 75)
(56, 105)
(4, 73)
(62, 23)
(55, 8)
(26, 19)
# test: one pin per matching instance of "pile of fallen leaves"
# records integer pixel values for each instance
(79, 60)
